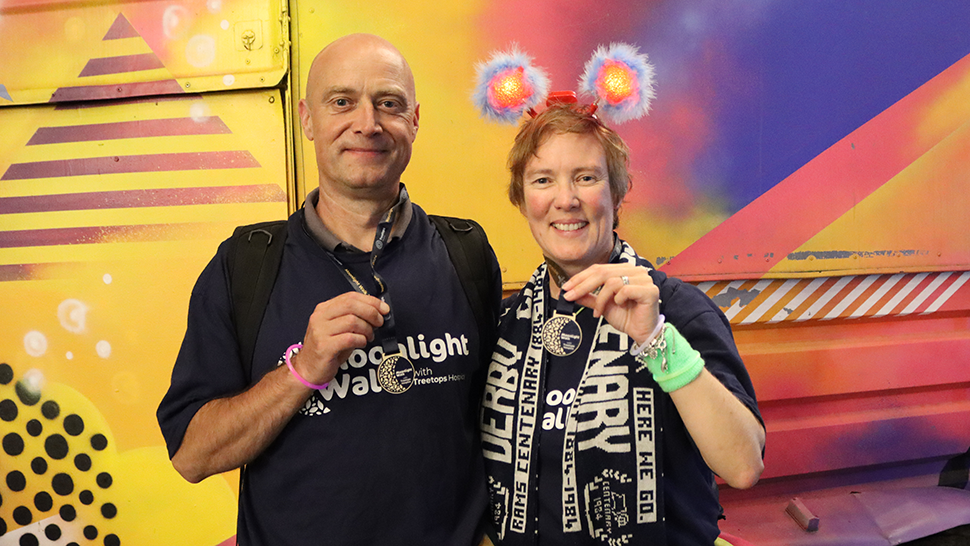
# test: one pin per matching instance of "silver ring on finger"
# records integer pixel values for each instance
(625, 279)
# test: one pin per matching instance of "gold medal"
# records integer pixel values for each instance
(561, 335)
(395, 374)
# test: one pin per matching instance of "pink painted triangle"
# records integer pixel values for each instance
(121, 28)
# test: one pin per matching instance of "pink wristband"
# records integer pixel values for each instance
(286, 358)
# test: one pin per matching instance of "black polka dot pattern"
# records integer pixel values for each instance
(56, 446)
(43, 501)
(67, 512)
(73, 425)
(8, 410)
(16, 480)
(52, 532)
(34, 428)
(47, 437)
(99, 442)
(82, 462)
(63, 484)
(13, 444)
(39, 465)
(27, 396)
(22, 515)
(50, 409)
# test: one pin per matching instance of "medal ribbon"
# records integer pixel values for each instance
(563, 306)
(388, 333)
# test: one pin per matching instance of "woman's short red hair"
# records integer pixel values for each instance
(562, 119)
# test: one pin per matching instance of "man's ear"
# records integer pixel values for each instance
(417, 114)
(305, 119)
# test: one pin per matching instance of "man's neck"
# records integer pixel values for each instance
(353, 218)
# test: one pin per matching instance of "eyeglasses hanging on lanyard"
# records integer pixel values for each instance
(395, 373)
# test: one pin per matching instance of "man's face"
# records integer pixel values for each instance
(361, 114)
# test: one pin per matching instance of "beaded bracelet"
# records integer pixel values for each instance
(292, 350)
(637, 349)
(671, 360)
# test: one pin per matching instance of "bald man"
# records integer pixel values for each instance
(356, 423)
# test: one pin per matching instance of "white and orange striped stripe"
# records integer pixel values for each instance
(827, 298)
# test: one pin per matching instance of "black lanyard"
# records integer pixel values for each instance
(564, 306)
(387, 332)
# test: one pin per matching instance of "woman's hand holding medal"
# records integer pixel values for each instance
(337, 327)
(622, 293)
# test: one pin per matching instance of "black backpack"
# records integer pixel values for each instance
(256, 251)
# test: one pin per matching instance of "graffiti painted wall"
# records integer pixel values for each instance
(121, 172)
(805, 163)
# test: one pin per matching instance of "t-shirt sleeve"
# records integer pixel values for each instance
(208, 364)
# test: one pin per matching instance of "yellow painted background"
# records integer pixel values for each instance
(458, 164)
(95, 327)
(100, 323)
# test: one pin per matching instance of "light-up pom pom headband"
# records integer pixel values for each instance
(621, 80)
(508, 86)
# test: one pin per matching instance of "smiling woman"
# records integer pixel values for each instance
(568, 202)
(662, 401)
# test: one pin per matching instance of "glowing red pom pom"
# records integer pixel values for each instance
(509, 89)
(617, 81)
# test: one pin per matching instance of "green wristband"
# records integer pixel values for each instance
(671, 360)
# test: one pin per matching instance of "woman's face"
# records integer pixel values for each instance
(567, 201)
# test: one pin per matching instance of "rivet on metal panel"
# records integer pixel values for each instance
(272, 100)
(188, 85)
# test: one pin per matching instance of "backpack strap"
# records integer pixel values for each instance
(468, 248)
(253, 261)
(255, 254)
(263, 243)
